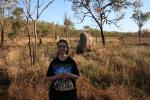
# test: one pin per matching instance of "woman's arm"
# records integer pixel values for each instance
(63, 76)
(70, 75)
(52, 78)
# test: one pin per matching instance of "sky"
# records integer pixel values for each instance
(56, 11)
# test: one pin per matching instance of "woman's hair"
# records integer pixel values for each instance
(64, 41)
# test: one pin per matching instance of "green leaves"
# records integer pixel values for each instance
(139, 17)
(137, 4)
(18, 12)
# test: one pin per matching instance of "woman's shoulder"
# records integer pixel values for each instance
(54, 60)
(71, 59)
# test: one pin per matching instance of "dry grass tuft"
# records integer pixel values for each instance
(118, 71)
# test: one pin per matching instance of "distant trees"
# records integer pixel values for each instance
(67, 26)
(43, 28)
(6, 7)
(139, 17)
(18, 23)
(101, 11)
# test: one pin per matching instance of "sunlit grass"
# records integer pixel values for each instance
(117, 71)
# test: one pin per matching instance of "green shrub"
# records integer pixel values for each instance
(12, 34)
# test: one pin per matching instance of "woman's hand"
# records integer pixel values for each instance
(52, 78)
(69, 75)
(63, 76)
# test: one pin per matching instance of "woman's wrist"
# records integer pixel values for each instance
(73, 76)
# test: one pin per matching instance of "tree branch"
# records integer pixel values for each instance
(112, 22)
(45, 8)
(41, 4)
(109, 4)
(85, 14)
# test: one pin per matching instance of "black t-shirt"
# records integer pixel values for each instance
(67, 66)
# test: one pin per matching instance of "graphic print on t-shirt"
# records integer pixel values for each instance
(62, 69)
(63, 84)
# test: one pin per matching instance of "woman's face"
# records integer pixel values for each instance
(62, 48)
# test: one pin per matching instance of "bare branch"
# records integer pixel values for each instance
(85, 14)
(109, 11)
(45, 8)
(34, 10)
(25, 4)
(41, 4)
(109, 4)
(112, 22)
(86, 6)
(37, 10)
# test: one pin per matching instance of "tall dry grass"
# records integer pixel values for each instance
(125, 65)
(118, 71)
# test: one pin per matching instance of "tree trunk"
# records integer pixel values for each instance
(35, 44)
(102, 34)
(66, 32)
(29, 37)
(139, 33)
(2, 32)
(101, 27)
(66, 35)
(96, 39)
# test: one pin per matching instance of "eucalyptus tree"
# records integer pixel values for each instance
(18, 22)
(6, 7)
(67, 26)
(139, 17)
(33, 9)
(101, 11)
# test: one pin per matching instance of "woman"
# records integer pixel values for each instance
(62, 72)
